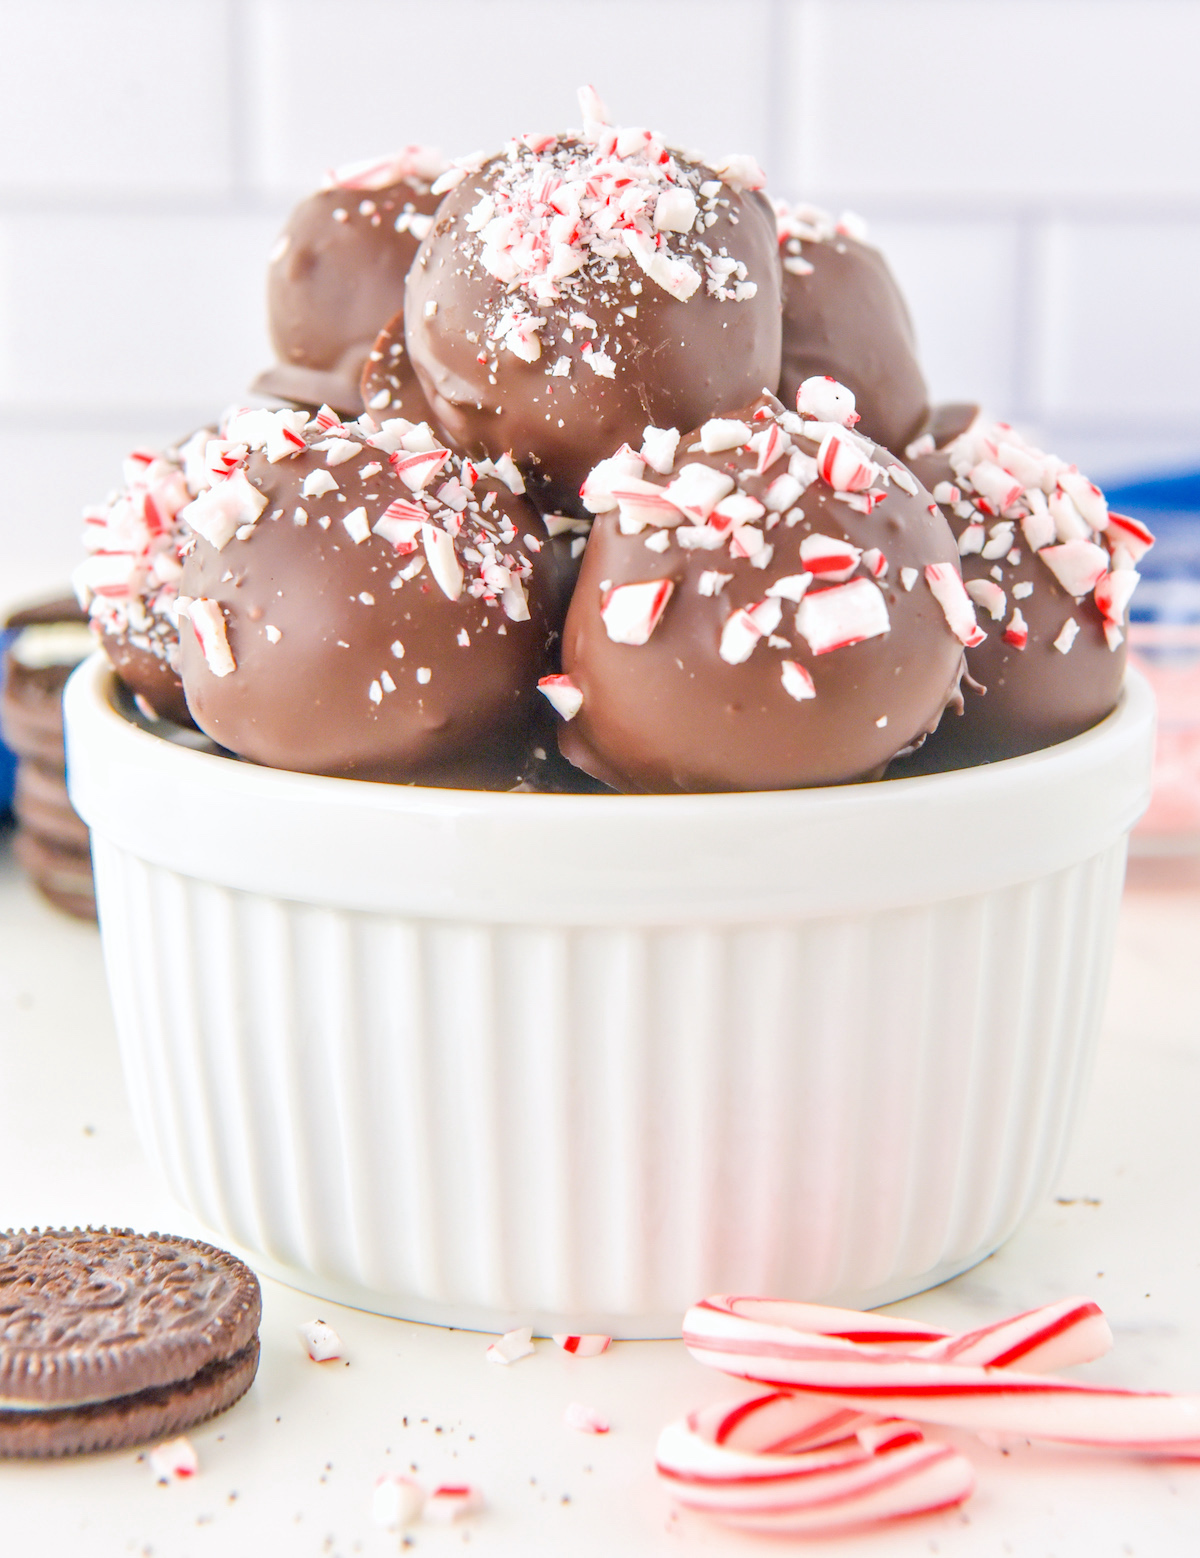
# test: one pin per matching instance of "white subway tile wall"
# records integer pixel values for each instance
(1029, 166)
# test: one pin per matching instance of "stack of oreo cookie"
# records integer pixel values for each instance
(51, 841)
(110, 1338)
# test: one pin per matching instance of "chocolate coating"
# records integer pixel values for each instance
(129, 580)
(655, 358)
(389, 386)
(1035, 696)
(846, 317)
(333, 283)
(673, 714)
(312, 616)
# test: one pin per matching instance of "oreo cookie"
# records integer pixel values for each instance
(51, 842)
(110, 1338)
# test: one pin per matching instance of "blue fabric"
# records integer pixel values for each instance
(8, 763)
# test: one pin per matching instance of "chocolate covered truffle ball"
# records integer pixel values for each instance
(336, 277)
(359, 602)
(129, 580)
(844, 315)
(578, 286)
(767, 602)
(1051, 571)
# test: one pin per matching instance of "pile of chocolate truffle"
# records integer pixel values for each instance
(589, 466)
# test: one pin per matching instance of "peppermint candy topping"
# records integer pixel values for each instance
(567, 700)
(843, 615)
(208, 621)
(946, 585)
(825, 399)
(631, 612)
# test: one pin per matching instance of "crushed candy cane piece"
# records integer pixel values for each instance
(828, 558)
(843, 615)
(512, 1346)
(208, 621)
(176, 1459)
(658, 448)
(563, 694)
(1129, 534)
(396, 1502)
(585, 1346)
(797, 681)
(585, 1419)
(357, 525)
(744, 628)
(443, 561)
(843, 466)
(988, 594)
(631, 612)
(791, 587)
(824, 399)
(1067, 636)
(945, 584)
(719, 434)
(697, 489)
(221, 510)
(1077, 565)
(451, 1502)
(321, 1341)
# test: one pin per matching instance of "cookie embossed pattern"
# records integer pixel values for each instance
(110, 1338)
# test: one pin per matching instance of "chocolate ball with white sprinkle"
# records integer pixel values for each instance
(579, 286)
(336, 276)
(129, 579)
(1051, 571)
(768, 602)
(844, 315)
(359, 602)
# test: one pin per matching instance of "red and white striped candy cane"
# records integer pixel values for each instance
(1052, 1336)
(957, 1394)
(883, 1472)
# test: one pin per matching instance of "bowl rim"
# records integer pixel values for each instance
(603, 859)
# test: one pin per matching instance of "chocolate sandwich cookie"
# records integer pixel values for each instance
(51, 842)
(110, 1338)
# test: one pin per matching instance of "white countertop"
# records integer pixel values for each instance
(290, 1470)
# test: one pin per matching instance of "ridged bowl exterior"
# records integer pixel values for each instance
(589, 1126)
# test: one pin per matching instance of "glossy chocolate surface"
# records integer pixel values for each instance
(846, 317)
(616, 351)
(672, 714)
(350, 657)
(335, 278)
(1035, 696)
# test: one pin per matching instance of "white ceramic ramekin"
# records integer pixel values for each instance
(490, 1059)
